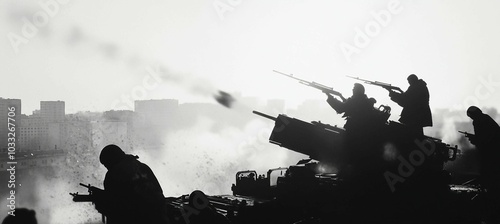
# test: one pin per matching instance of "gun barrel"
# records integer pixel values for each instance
(83, 198)
(376, 83)
(280, 72)
(305, 82)
(264, 115)
(382, 83)
(321, 86)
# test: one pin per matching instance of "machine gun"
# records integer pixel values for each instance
(91, 197)
(317, 140)
(470, 136)
(386, 86)
(323, 88)
(467, 134)
(86, 197)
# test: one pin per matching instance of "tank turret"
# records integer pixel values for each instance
(390, 175)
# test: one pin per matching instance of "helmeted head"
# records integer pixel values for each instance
(111, 155)
(412, 79)
(22, 215)
(358, 89)
(473, 112)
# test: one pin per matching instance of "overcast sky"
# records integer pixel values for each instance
(95, 55)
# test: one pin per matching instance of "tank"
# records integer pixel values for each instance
(391, 175)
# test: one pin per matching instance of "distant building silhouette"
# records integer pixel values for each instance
(52, 111)
(45, 128)
(5, 104)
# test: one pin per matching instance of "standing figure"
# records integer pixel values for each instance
(486, 138)
(415, 102)
(358, 109)
(131, 193)
(361, 134)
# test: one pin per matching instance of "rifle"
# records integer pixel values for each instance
(384, 85)
(91, 197)
(470, 136)
(323, 88)
(467, 134)
(86, 197)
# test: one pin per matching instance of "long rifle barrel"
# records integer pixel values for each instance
(319, 86)
(377, 83)
(467, 134)
(264, 115)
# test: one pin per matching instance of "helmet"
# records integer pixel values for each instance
(22, 215)
(473, 112)
(110, 155)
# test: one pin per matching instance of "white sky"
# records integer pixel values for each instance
(452, 45)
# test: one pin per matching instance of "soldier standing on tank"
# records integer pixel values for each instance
(362, 167)
(416, 112)
(361, 128)
(486, 138)
(357, 109)
(131, 193)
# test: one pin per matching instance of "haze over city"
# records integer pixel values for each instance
(91, 54)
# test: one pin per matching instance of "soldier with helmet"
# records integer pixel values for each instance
(21, 216)
(487, 140)
(132, 194)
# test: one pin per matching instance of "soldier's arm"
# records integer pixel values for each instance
(337, 105)
(398, 98)
(472, 139)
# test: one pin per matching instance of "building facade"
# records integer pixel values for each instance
(45, 129)
(6, 112)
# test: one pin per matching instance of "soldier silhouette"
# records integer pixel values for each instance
(361, 133)
(21, 216)
(415, 102)
(131, 193)
(486, 138)
(358, 109)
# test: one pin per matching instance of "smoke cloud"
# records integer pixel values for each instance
(207, 158)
